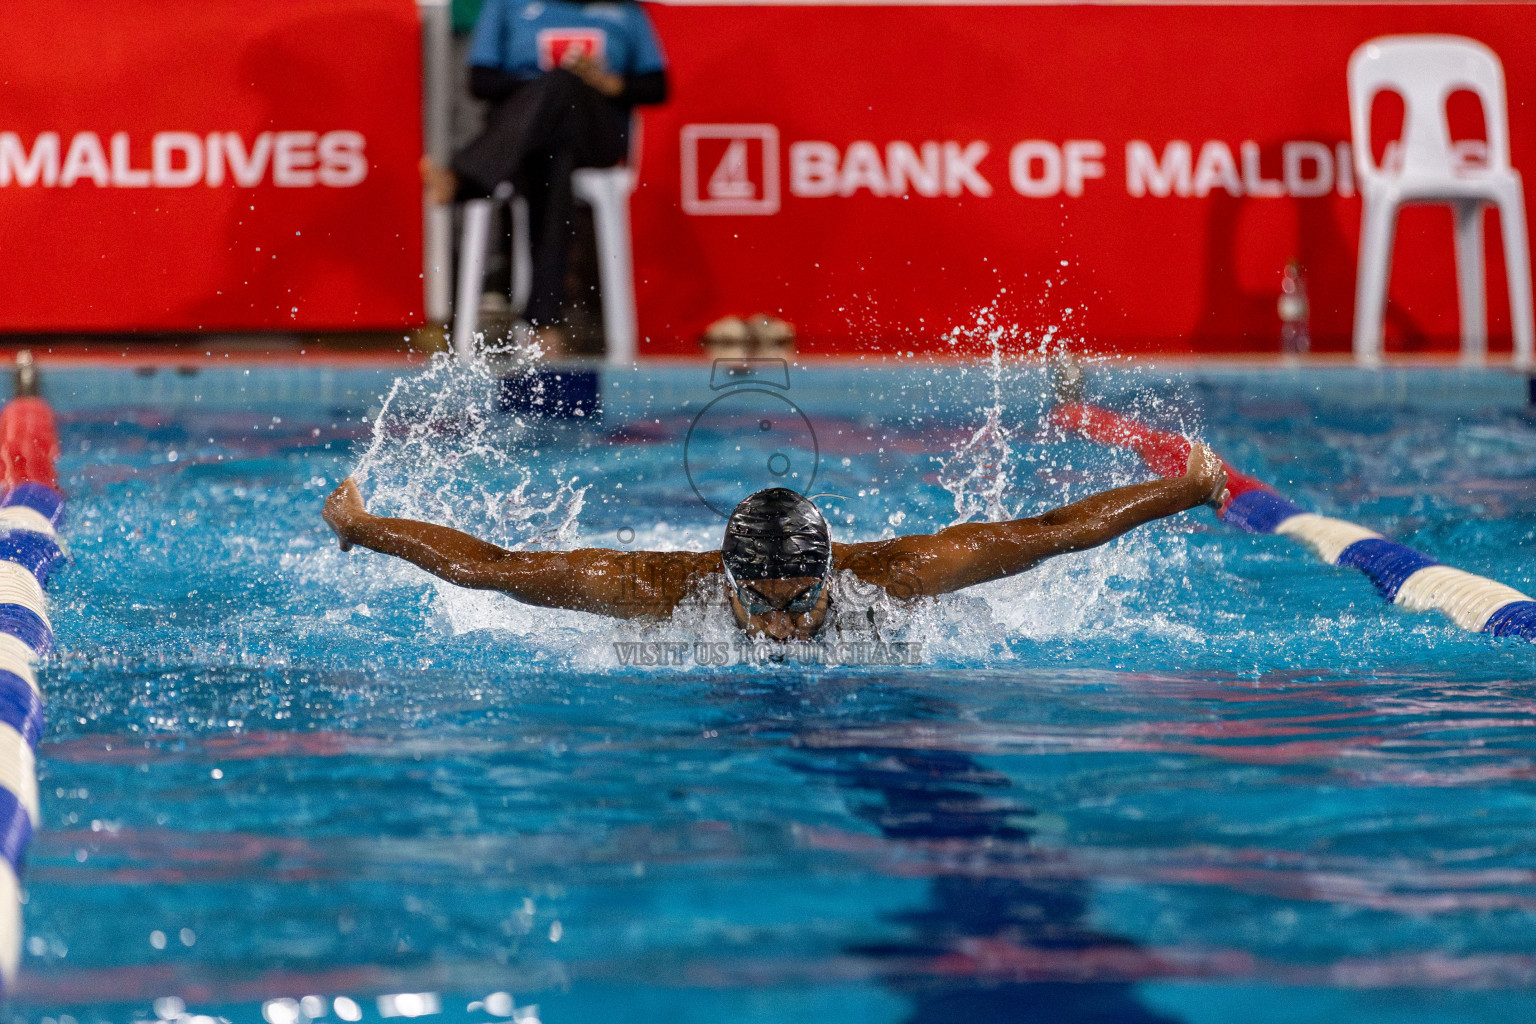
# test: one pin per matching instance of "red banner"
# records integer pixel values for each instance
(1136, 175)
(184, 165)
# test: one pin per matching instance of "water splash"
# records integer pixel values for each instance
(985, 474)
(443, 449)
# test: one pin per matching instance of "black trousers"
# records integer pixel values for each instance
(535, 139)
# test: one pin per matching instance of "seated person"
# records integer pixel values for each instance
(563, 77)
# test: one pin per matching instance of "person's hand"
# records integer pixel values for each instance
(343, 509)
(1206, 470)
(442, 184)
(590, 70)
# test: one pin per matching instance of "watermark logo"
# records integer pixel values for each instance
(722, 654)
(750, 436)
(730, 169)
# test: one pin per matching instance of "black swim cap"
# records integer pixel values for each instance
(776, 534)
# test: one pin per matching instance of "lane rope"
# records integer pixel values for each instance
(1403, 575)
(30, 511)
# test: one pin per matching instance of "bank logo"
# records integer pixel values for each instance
(730, 169)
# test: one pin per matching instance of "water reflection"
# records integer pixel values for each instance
(990, 943)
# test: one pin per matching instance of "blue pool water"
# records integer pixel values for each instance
(1193, 776)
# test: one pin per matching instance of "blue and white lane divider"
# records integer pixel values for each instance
(29, 548)
(1408, 578)
(30, 507)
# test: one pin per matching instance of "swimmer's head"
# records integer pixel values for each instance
(778, 560)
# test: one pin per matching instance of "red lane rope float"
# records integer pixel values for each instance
(1403, 575)
(29, 510)
(29, 443)
(1165, 453)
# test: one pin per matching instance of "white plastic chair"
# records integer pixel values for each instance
(1427, 167)
(607, 191)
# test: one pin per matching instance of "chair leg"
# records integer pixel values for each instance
(1374, 269)
(1517, 265)
(619, 288)
(1470, 283)
(522, 256)
(609, 197)
(472, 246)
(439, 256)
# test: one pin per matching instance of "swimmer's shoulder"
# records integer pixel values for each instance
(633, 584)
(876, 561)
(673, 571)
(846, 556)
(702, 562)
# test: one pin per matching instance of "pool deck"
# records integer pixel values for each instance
(404, 349)
(352, 384)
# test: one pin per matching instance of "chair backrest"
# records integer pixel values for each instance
(1425, 70)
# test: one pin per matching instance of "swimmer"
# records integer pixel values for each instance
(777, 557)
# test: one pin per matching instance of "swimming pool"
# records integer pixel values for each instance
(1194, 776)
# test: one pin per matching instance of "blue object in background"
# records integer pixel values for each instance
(560, 394)
(510, 35)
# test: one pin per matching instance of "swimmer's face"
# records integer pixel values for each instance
(770, 613)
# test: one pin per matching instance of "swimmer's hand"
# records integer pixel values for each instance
(1206, 470)
(343, 511)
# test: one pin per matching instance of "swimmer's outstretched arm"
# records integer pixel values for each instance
(971, 553)
(623, 584)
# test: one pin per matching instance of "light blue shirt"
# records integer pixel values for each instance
(526, 38)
